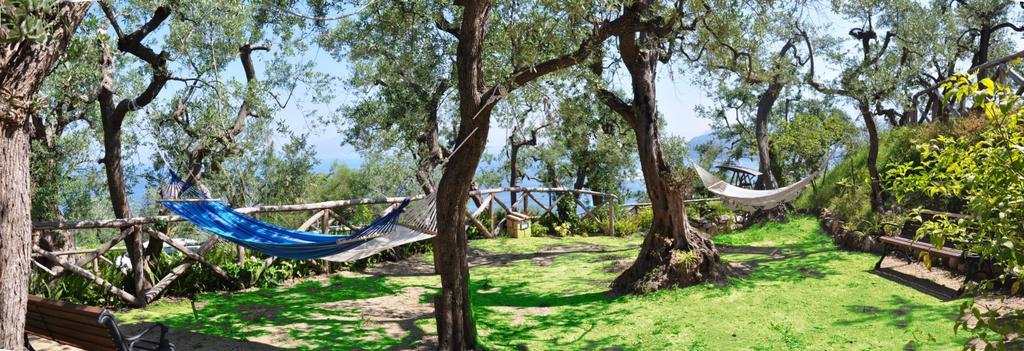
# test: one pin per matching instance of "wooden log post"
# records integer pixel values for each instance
(191, 255)
(266, 264)
(325, 228)
(42, 267)
(76, 269)
(476, 223)
(551, 199)
(610, 202)
(178, 271)
(311, 221)
(91, 256)
(547, 210)
(500, 223)
(588, 213)
(240, 251)
(490, 214)
(345, 223)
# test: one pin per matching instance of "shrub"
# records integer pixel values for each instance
(985, 174)
(845, 189)
(563, 229)
(539, 229)
(638, 223)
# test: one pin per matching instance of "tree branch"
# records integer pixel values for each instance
(445, 26)
(200, 151)
(604, 30)
(132, 44)
(1003, 25)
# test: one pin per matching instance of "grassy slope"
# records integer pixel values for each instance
(800, 294)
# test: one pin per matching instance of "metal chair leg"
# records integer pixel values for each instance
(878, 265)
(28, 345)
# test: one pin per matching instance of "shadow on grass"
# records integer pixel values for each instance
(925, 286)
(901, 313)
(296, 311)
(510, 313)
(478, 257)
(783, 264)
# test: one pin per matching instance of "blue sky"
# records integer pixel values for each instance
(677, 99)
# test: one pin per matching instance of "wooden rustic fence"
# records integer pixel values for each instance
(635, 207)
(928, 103)
(324, 219)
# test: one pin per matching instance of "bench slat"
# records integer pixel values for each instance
(67, 323)
(70, 316)
(64, 306)
(72, 327)
(88, 342)
(918, 245)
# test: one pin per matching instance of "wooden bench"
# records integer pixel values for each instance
(909, 246)
(86, 327)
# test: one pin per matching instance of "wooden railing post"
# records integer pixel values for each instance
(610, 202)
(526, 202)
(490, 213)
(240, 251)
(325, 221)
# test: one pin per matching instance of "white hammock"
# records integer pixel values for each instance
(750, 200)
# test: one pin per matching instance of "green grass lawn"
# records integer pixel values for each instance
(794, 291)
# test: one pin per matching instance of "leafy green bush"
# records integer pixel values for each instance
(76, 289)
(638, 223)
(986, 175)
(540, 229)
(562, 230)
(845, 189)
(708, 209)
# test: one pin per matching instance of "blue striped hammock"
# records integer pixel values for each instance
(218, 218)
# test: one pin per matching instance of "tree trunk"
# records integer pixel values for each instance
(515, 144)
(776, 164)
(24, 64)
(673, 253)
(15, 227)
(47, 185)
(581, 180)
(456, 329)
(876, 183)
(113, 115)
(984, 45)
(116, 186)
(765, 103)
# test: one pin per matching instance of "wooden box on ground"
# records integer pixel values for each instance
(518, 225)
